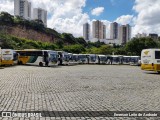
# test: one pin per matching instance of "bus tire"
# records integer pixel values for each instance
(158, 72)
(41, 64)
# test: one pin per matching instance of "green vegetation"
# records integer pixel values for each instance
(12, 42)
(134, 47)
(77, 48)
(67, 41)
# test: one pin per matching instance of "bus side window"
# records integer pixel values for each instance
(157, 54)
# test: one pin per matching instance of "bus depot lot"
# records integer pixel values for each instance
(79, 88)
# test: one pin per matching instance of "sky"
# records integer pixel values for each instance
(70, 15)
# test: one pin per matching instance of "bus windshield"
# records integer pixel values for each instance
(82, 56)
(53, 57)
(93, 58)
(157, 54)
(15, 56)
(102, 58)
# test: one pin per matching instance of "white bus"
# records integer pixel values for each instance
(75, 58)
(102, 59)
(9, 57)
(150, 60)
(126, 60)
(63, 58)
(38, 57)
(83, 59)
(93, 58)
(116, 59)
(135, 60)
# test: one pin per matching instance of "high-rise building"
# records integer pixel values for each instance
(104, 31)
(40, 14)
(86, 31)
(22, 8)
(114, 30)
(98, 30)
(154, 36)
(124, 34)
(129, 30)
(139, 35)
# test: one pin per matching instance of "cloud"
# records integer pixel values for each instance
(124, 19)
(147, 19)
(63, 15)
(68, 15)
(72, 25)
(7, 6)
(97, 11)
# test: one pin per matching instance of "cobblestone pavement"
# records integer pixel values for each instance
(79, 88)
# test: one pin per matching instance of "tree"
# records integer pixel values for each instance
(95, 44)
(69, 38)
(120, 51)
(74, 48)
(37, 25)
(135, 46)
(18, 20)
(81, 41)
(103, 49)
(6, 18)
(60, 44)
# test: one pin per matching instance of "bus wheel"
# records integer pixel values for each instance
(41, 64)
(158, 72)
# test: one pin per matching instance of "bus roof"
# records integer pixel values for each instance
(152, 49)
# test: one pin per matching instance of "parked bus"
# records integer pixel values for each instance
(126, 60)
(116, 59)
(93, 58)
(83, 58)
(135, 60)
(75, 58)
(102, 59)
(109, 59)
(150, 60)
(38, 57)
(9, 57)
(63, 58)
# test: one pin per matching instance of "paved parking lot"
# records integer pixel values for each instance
(79, 88)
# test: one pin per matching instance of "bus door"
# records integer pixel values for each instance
(46, 58)
(15, 57)
(53, 57)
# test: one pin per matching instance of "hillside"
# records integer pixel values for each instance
(22, 32)
(33, 30)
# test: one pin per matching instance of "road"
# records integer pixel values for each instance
(79, 88)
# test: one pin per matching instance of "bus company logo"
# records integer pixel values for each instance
(146, 52)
